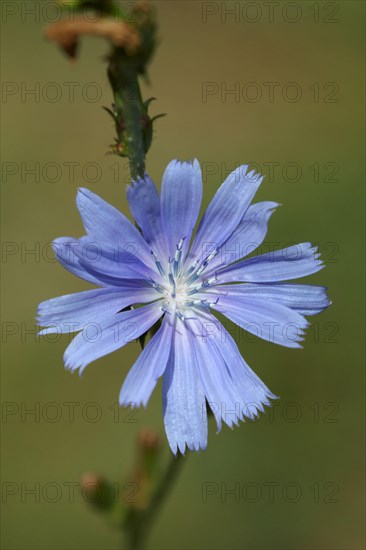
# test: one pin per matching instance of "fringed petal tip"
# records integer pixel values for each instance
(254, 409)
(73, 366)
(183, 448)
(138, 181)
(133, 405)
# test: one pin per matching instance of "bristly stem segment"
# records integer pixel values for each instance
(134, 126)
(128, 113)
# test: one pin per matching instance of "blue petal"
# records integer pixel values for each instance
(181, 195)
(305, 299)
(71, 312)
(104, 223)
(289, 263)
(144, 201)
(64, 248)
(232, 389)
(111, 265)
(99, 264)
(268, 320)
(254, 392)
(149, 367)
(226, 210)
(184, 404)
(249, 234)
(221, 394)
(102, 338)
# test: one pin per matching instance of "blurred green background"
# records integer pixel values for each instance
(314, 437)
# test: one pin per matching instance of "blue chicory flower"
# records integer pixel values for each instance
(160, 274)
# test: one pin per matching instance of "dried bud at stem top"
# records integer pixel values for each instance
(67, 34)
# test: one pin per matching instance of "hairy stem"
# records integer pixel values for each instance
(130, 101)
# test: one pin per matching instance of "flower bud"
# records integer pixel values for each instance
(97, 491)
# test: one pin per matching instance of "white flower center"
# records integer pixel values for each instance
(181, 284)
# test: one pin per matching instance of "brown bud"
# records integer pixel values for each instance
(67, 34)
(90, 479)
(97, 491)
(148, 440)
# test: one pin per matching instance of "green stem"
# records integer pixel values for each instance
(132, 116)
(141, 520)
(123, 75)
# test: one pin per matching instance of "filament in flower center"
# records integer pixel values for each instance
(179, 286)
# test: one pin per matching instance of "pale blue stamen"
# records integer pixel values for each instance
(178, 255)
(156, 285)
(158, 264)
(171, 279)
(192, 268)
(201, 269)
(180, 315)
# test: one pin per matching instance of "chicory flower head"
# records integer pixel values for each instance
(165, 274)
